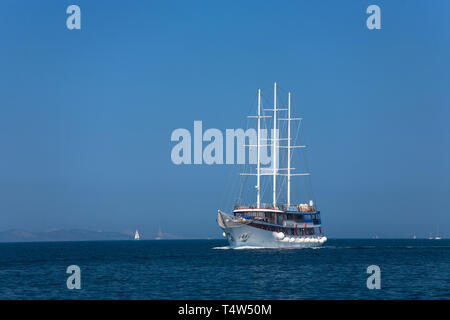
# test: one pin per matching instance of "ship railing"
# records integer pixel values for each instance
(262, 206)
(278, 207)
(298, 208)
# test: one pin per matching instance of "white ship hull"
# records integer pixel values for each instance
(242, 235)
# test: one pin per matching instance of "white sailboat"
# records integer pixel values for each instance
(160, 234)
(437, 237)
(137, 236)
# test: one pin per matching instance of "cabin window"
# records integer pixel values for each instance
(281, 219)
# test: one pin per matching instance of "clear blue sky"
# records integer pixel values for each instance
(86, 116)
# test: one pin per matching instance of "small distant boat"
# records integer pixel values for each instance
(159, 236)
(137, 236)
(414, 237)
(437, 237)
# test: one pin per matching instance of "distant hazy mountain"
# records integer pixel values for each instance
(61, 235)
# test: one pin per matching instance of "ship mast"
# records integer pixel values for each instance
(289, 147)
(258, 170)
(289, 153)
(258, 147)
(274, 144)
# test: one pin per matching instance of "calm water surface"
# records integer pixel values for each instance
(204, 269)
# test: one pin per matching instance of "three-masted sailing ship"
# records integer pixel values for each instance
(275, 225)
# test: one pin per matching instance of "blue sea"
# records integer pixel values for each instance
(208, 269)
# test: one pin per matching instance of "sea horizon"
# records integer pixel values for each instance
(206, 238)
(129, 237)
